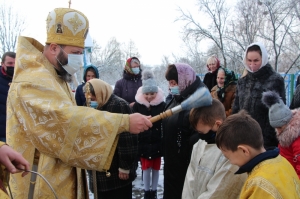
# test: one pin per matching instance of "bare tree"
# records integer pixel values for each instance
(130, 50)
(281, 23)
(108, 60)
(242, 30)
(217, 14)
(11, 26)
(159, 74)
(274, 22)
(194, 56)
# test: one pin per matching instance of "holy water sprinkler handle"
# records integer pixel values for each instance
(166, 114)
(201, 97)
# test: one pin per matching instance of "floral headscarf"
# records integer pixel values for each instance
(127, 66)
(230, 78)
(186, 75)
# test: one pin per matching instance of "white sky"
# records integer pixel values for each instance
(149, 24)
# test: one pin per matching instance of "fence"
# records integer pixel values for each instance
(290, 84)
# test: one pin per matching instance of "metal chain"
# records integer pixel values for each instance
(36, 174)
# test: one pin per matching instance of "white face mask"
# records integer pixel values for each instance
(74, 63)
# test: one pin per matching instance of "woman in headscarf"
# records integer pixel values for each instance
(260, 77)
(225, 88)
(178, 135)
(116, 182)
(127, 87)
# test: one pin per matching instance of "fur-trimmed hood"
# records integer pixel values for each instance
(291, 131)
(156, 101)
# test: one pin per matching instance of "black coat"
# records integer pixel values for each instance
(4, 87)
(150, 141)
(296, 98)
(248, 96)
(210, 79)
(125, 154)
(177, 133)
(79, 94)
(127, 86)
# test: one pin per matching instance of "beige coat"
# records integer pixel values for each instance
(50, 131)
(210, 175)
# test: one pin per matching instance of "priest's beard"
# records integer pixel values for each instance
(63, 74)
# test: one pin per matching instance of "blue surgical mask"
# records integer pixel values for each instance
(94, 104)
(74, 63)
(135, 70)
(174, 90)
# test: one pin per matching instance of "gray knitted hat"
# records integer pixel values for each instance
(149, 84)
(279, 113)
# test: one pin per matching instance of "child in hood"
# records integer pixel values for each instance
(150, 101)
(287, 125)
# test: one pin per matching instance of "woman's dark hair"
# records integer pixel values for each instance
(254, 48)
(92, 70)
(171, 73)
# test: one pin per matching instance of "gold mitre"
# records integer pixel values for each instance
(67, 26)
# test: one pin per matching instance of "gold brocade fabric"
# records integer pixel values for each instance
(42, 116)
(273, 178)
(3, 179)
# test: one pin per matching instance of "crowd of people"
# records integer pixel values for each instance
(244, 144)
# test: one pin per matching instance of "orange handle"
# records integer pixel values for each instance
(161, 116)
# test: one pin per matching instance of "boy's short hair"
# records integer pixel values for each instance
(208, 114)
(239, 129)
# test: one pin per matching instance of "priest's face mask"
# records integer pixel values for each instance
(62, 60)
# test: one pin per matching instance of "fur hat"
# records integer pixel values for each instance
(279, 113)
(149, 84)
(67, 26)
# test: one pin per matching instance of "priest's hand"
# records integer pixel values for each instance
(13, 160)
(139, 123)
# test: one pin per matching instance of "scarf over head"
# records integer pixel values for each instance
(264, 56)
(127, 66)
(103, 91)
(186, 75)
(230, 78)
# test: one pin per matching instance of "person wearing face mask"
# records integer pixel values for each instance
(210, 78)
(6, 75)
(127, 86)
(178, 134)
(260, 77)
(58, 138)
(116, 182)
(210, 174)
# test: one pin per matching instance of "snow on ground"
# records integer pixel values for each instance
(138, 185)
